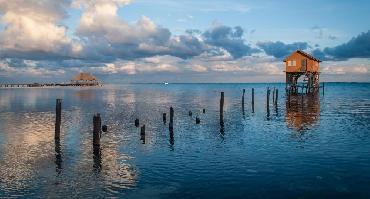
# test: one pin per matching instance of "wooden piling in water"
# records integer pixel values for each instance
(243, 101)
(222, 113)
(104, 128)
(164, 118)
(96, 130)
(222, 106)
(252, 100)
(137, 122)
(268, 102)
(197, 120)
(190, 113)
(171, 118)
(273, 96)
(204, 110)
(58, 118)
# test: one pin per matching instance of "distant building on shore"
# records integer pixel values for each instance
(85, 79)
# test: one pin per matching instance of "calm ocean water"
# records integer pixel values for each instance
(317, 147)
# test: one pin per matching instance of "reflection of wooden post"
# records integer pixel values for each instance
(142, 133)
(96, 130)
(164, 118)
(289, 98)
(276, 97)
(323, 88)
(243, 101)
(58, 156)
(58, 118)
(252, 100)
(171, 118)
(172, 139)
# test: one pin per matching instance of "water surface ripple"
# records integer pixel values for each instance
(314, 146)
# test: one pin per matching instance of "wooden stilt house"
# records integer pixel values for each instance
(300, 64)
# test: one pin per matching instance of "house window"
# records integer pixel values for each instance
(304, 63)
(292, 63)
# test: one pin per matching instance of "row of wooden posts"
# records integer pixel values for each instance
(98, 128)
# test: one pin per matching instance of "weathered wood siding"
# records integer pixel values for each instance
(312, 65)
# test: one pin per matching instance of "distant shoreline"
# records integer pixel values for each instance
(52, 85)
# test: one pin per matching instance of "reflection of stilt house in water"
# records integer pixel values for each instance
(85, 79)
(302, 111)
(300, 64)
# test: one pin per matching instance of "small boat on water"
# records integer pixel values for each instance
(165, 83)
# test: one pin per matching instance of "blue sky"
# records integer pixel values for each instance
(271, 20)
(143, 40)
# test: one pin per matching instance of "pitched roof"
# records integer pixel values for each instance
(306, 55)
(84, 77)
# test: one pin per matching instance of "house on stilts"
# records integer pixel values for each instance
(300, 64)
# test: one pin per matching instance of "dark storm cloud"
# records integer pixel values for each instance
(279, 49)
(36, 54)
(230, 39)
(357, 47)
(319, 54)
(183, 46)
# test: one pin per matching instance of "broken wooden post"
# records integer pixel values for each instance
(58, 118)
(171, 118)
(243, 101)
(190, 113)
(142, 134)
(164, 118)
(96, 130)
(197, 120)
(252, 100)
(268, 102)
(104, 128)
(204, 110)
(137, 123)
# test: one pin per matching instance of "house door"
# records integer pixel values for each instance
(304, 65)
